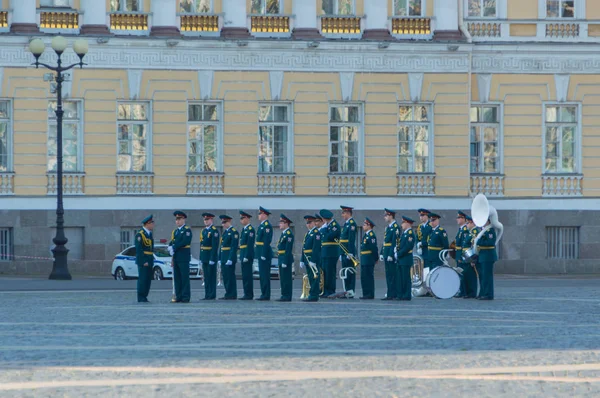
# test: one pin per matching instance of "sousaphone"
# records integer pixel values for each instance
(481, 212)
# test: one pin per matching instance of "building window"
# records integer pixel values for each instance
(344, 135)
(408, 8)
(265, 7)
(560, 8)
(6, 248)
(55, 3)
(561, 126)
(128, 237)
(195, 6)
(72, 133)
(274, 141)
(203, 137)
(562, 242)
(485, 139)
(338, 7)
(414, 139)
(125, 5)
(482, 8)
(5, 136)
(134, 137)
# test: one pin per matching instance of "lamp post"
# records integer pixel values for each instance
(60, 270)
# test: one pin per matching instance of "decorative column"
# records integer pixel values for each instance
(376, 26)
(235, 25)
(94, 18)
(164, 18)
(446, 20)
(306, 20)
(24, 17)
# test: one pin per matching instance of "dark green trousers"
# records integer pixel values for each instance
(210, 280)
(181, 275)
(264, 272)
(390, 278)
(247, 278)
(330, 268)
(468, 281)
(351, 276)
(286, 281)
(229, 281)
(314, 282)
(403, 282)
(143, 282)
(486, 277)
(461, 291)
(367, 280)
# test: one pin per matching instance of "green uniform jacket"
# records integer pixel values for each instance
(144, 249)
(181, 238)
(437, 241)
(209, 244)
(467, 239)
(348, 236)
(460, 234)
(392, 232)
(405, 250)
(329, 247)
(487, 247)
(264, 237)
(423, 232)
(285, 248)
(311, 247)
(247, 243)
(368, 249)
(229, 246)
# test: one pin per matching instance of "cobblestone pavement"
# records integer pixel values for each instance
(90, 338)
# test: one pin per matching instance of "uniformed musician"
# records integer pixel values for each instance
(423, 231)
(247, 237)
(311, 258)
(144, 258)
(405, 259)
(209, 256)
(330, 251)
(348, 240)
(462, 230)
(392, 231)
(437, 241)
(264, 253)
(179, 248)
(485, 261)
(228, 257)
(368, 259)
(469, 276)
(285, 258)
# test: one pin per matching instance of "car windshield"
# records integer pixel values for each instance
(161, 252)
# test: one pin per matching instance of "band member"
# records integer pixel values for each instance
(330, 251)
(209, 255)
(437, 241)
(228, 257)
(462, 230)
(311, 258)
(264, 253)
(144, 258)
(247, 237)
(405, 259)
(469, 276)
(392, 232)
(348, 240)
(485, 262)
(179, 248)
(368, 259)
(423, 231)
(318, 222)
(285, 258)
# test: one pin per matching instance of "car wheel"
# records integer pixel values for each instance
(158, 274)
(120, 274)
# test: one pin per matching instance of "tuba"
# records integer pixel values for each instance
(306, 286)
(417, 278)
(481, 211)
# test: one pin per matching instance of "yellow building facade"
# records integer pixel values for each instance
(298, 105)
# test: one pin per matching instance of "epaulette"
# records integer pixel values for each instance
(288, 232)
(441, 229)
(250, 227)
(351, 221)
(186, 227)
(213, 227)
(233, 229)
(410, 231)
(370, 233)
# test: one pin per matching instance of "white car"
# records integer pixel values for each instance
(124, 266)
(274, 267)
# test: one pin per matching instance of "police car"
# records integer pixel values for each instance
(124, 267)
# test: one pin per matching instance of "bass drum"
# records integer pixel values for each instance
(443, 282)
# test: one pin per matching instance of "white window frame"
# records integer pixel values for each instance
(6, 244)
(501, 10)
(430, 162)
(123, 6)
(211, 11)
(578, 138)
(361, 135)
(219, 135)
(80, 136)
(337, 8)
(423, 9)
(44, 4)
(500, 124)
(578, 14)
(264, 8)
(9, 136)
(149, 139)
(132, 231)
(481, 9)
(290, 138)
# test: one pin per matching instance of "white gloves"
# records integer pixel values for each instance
(390, 258)
(313, 265)
(349, 256)
(228, 262)
(211, 263)
(301, 265)
(419, 244)
(262, 258)
(283, 265)
(396, 255)
(381, 257)
(341, 258)
(219, 263)
(171, 251)
(245, 260)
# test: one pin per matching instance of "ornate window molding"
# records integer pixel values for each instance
(134, 137)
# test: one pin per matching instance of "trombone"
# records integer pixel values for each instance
(348, 254)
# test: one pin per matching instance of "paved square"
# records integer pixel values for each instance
(541, 336)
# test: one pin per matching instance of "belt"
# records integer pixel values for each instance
(366, 252)
(487, 247)
(329, 244)
(387, 244)
(186, 247)
(344, 241)
(151, 253)
(243, 246)
(260, 243)
(308, 251)
(458, 248)
(206, 248)
(225, 248)
(410, 251)
(435, 248)
(280, 251)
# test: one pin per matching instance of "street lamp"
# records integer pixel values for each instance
(60, 270)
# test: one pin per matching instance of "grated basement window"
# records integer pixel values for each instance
(562, 242)
(5, 244)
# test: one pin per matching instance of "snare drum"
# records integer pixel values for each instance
(443, 282)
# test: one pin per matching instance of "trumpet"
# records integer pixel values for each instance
(350, 255)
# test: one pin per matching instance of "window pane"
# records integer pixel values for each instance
(490, 134)
(69, 131)
(203, 6)
(404, 164)
(210, 137)
(266, 133)
(272, 6)
(473, 113)
(405, 114)
(334, 134)
(345, 7)
(475, 149)
(551, 134)
(568, 135)
(404, 149)
(400, 7)
(195, 132)
(138, 111)
(421, 114)
(124, 111)
(353, 116)
(568, 9)
(133, 5)
(139, 132)
(281, 134)
(351, 134)
(489, 115)
(474, 134)
(194, 148)
(281, 114)
(124, 163)
(4, 109)
(474, 8)
(139, 163)
(123, 148)
(328, 7)
(490, 165)
(421, 165)
(551, 114)
(568, 165)
(186, 5)
(568, 114)
(210, 112)
(421, 133)
(69, 163)
(256, 7)
(336, 114)
(333, 164)
(70, 110)
(193, 163)
(335, 149)
(490, 150)
(52, 148)
(115, 5)
(551, 150)
(489, 8)
(139, 147)
(552, 8)
(550, 164)
(568, 150)
(403, 133)
(210, 158)
(421, 149)
(265, 114)
(474, 168)
(415, 8)
(194, 113)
